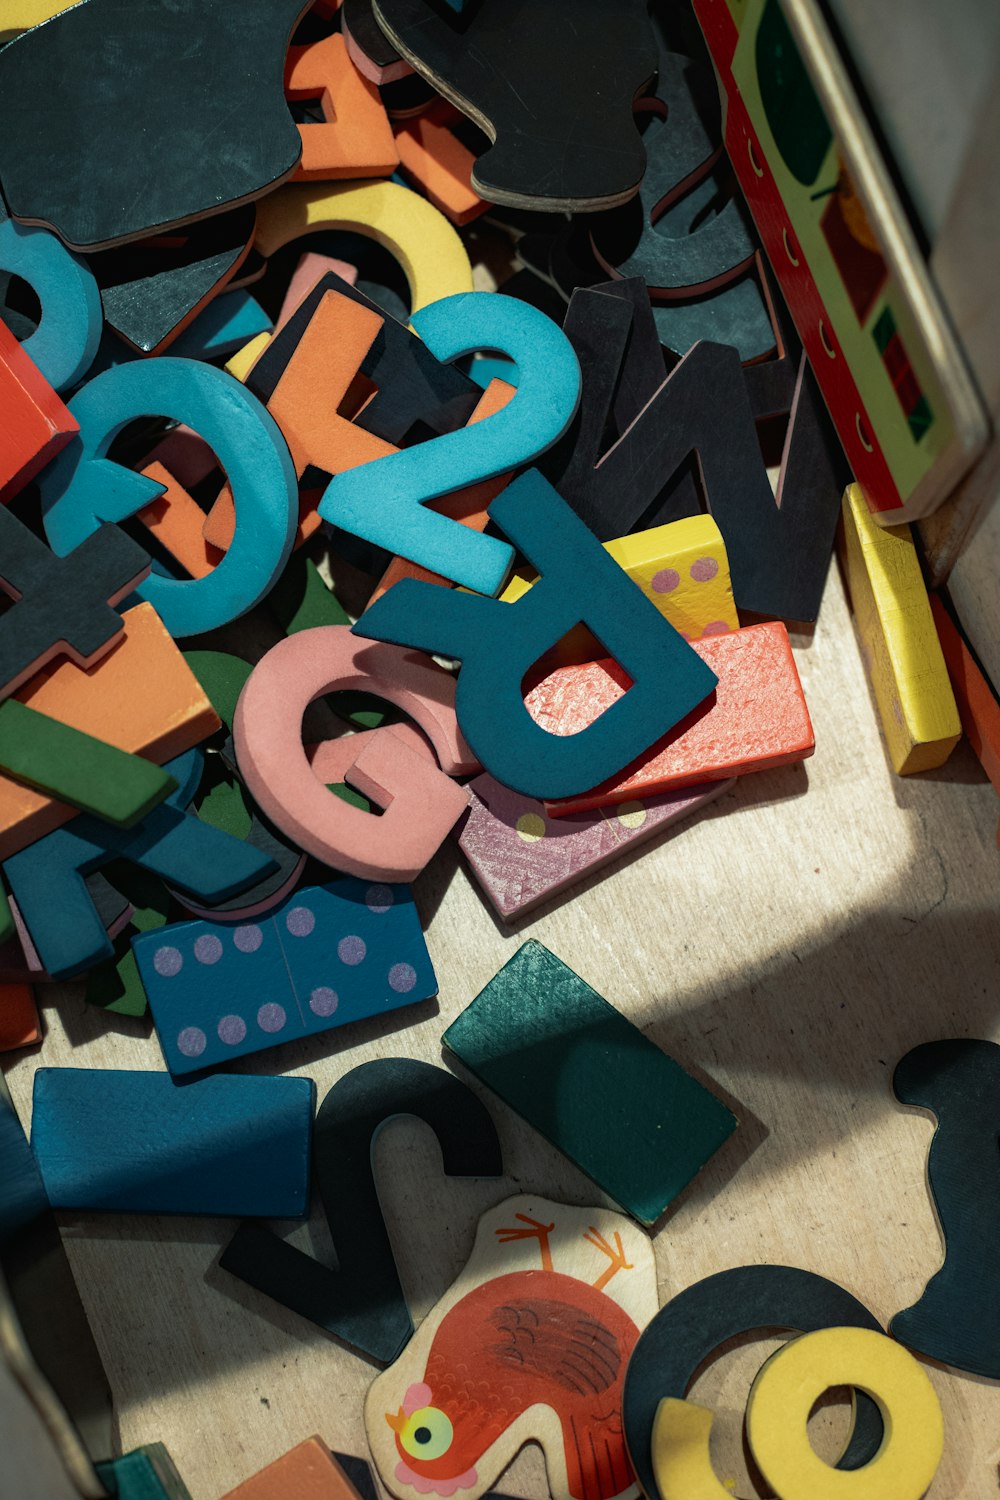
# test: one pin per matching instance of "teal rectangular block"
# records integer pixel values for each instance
(589, 1081)
(134, 1142)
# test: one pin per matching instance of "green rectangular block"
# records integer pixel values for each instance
(589, 1081)
(146, 1474)
(90, 774)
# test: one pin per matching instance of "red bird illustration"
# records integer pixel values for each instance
(521, 1339)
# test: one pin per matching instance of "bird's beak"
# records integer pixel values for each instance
(397, 1420)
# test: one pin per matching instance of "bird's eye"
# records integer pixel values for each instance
(427, 1434)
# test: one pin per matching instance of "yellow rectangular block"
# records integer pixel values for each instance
(898, 639)
(681, 567)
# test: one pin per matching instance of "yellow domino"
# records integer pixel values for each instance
(898, 639)
(434, 259)
(794, 1378)
(681, 567)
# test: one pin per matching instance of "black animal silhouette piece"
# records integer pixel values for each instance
(552, 84)
(118, 120)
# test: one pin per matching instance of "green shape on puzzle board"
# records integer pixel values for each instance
(146, 1474)
(800, 128)
(77, 768)
(6, 918)
(589, 1081)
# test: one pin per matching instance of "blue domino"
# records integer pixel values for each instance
(329, 955)
(127, 1142)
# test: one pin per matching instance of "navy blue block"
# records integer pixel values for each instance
(130, 1142)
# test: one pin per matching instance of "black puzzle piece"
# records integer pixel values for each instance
(117, 120)
(553, 87)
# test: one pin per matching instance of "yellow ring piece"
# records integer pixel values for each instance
(794, 1378)
(21, 15)
(432, 255)
(680, 1452)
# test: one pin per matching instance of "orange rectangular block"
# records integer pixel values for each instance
(307, 1472)
(34, 423)
(433, 157)
(756, 719)
(977, 703)
(142, 697)
(19, 1023)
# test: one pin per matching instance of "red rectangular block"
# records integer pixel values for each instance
(977, 703)
(756, 719)
(34, 423)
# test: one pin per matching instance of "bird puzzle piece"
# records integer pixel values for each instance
(141, 698)
(793, 1380)
(62, 126)
(47, 878)
(66, 340)
(309, 1471)
(47, 1337)
(757, 718)
(536, 1020)
(152, 289)
(420, 802)
(19, 1022)
(976, 700)
(899, 643)
(58, 760)
(682, 1336)
(389, 507)
(521, 856)
(83, 488)
(530, 1343)
(957, 1319)
(63, 605)
(147, 1473)
(330, 955)
(355, 137)
(124, 1142)
(34, 423)
(362, 1301)
(498, 644)
(563, 136)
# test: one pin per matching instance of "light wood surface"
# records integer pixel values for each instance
(791, 945)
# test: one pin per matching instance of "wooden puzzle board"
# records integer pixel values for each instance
(791, 948)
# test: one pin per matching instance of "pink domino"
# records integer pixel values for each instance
(522, 857)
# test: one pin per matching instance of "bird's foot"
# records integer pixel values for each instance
(533, 1230)
(615, 1253)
